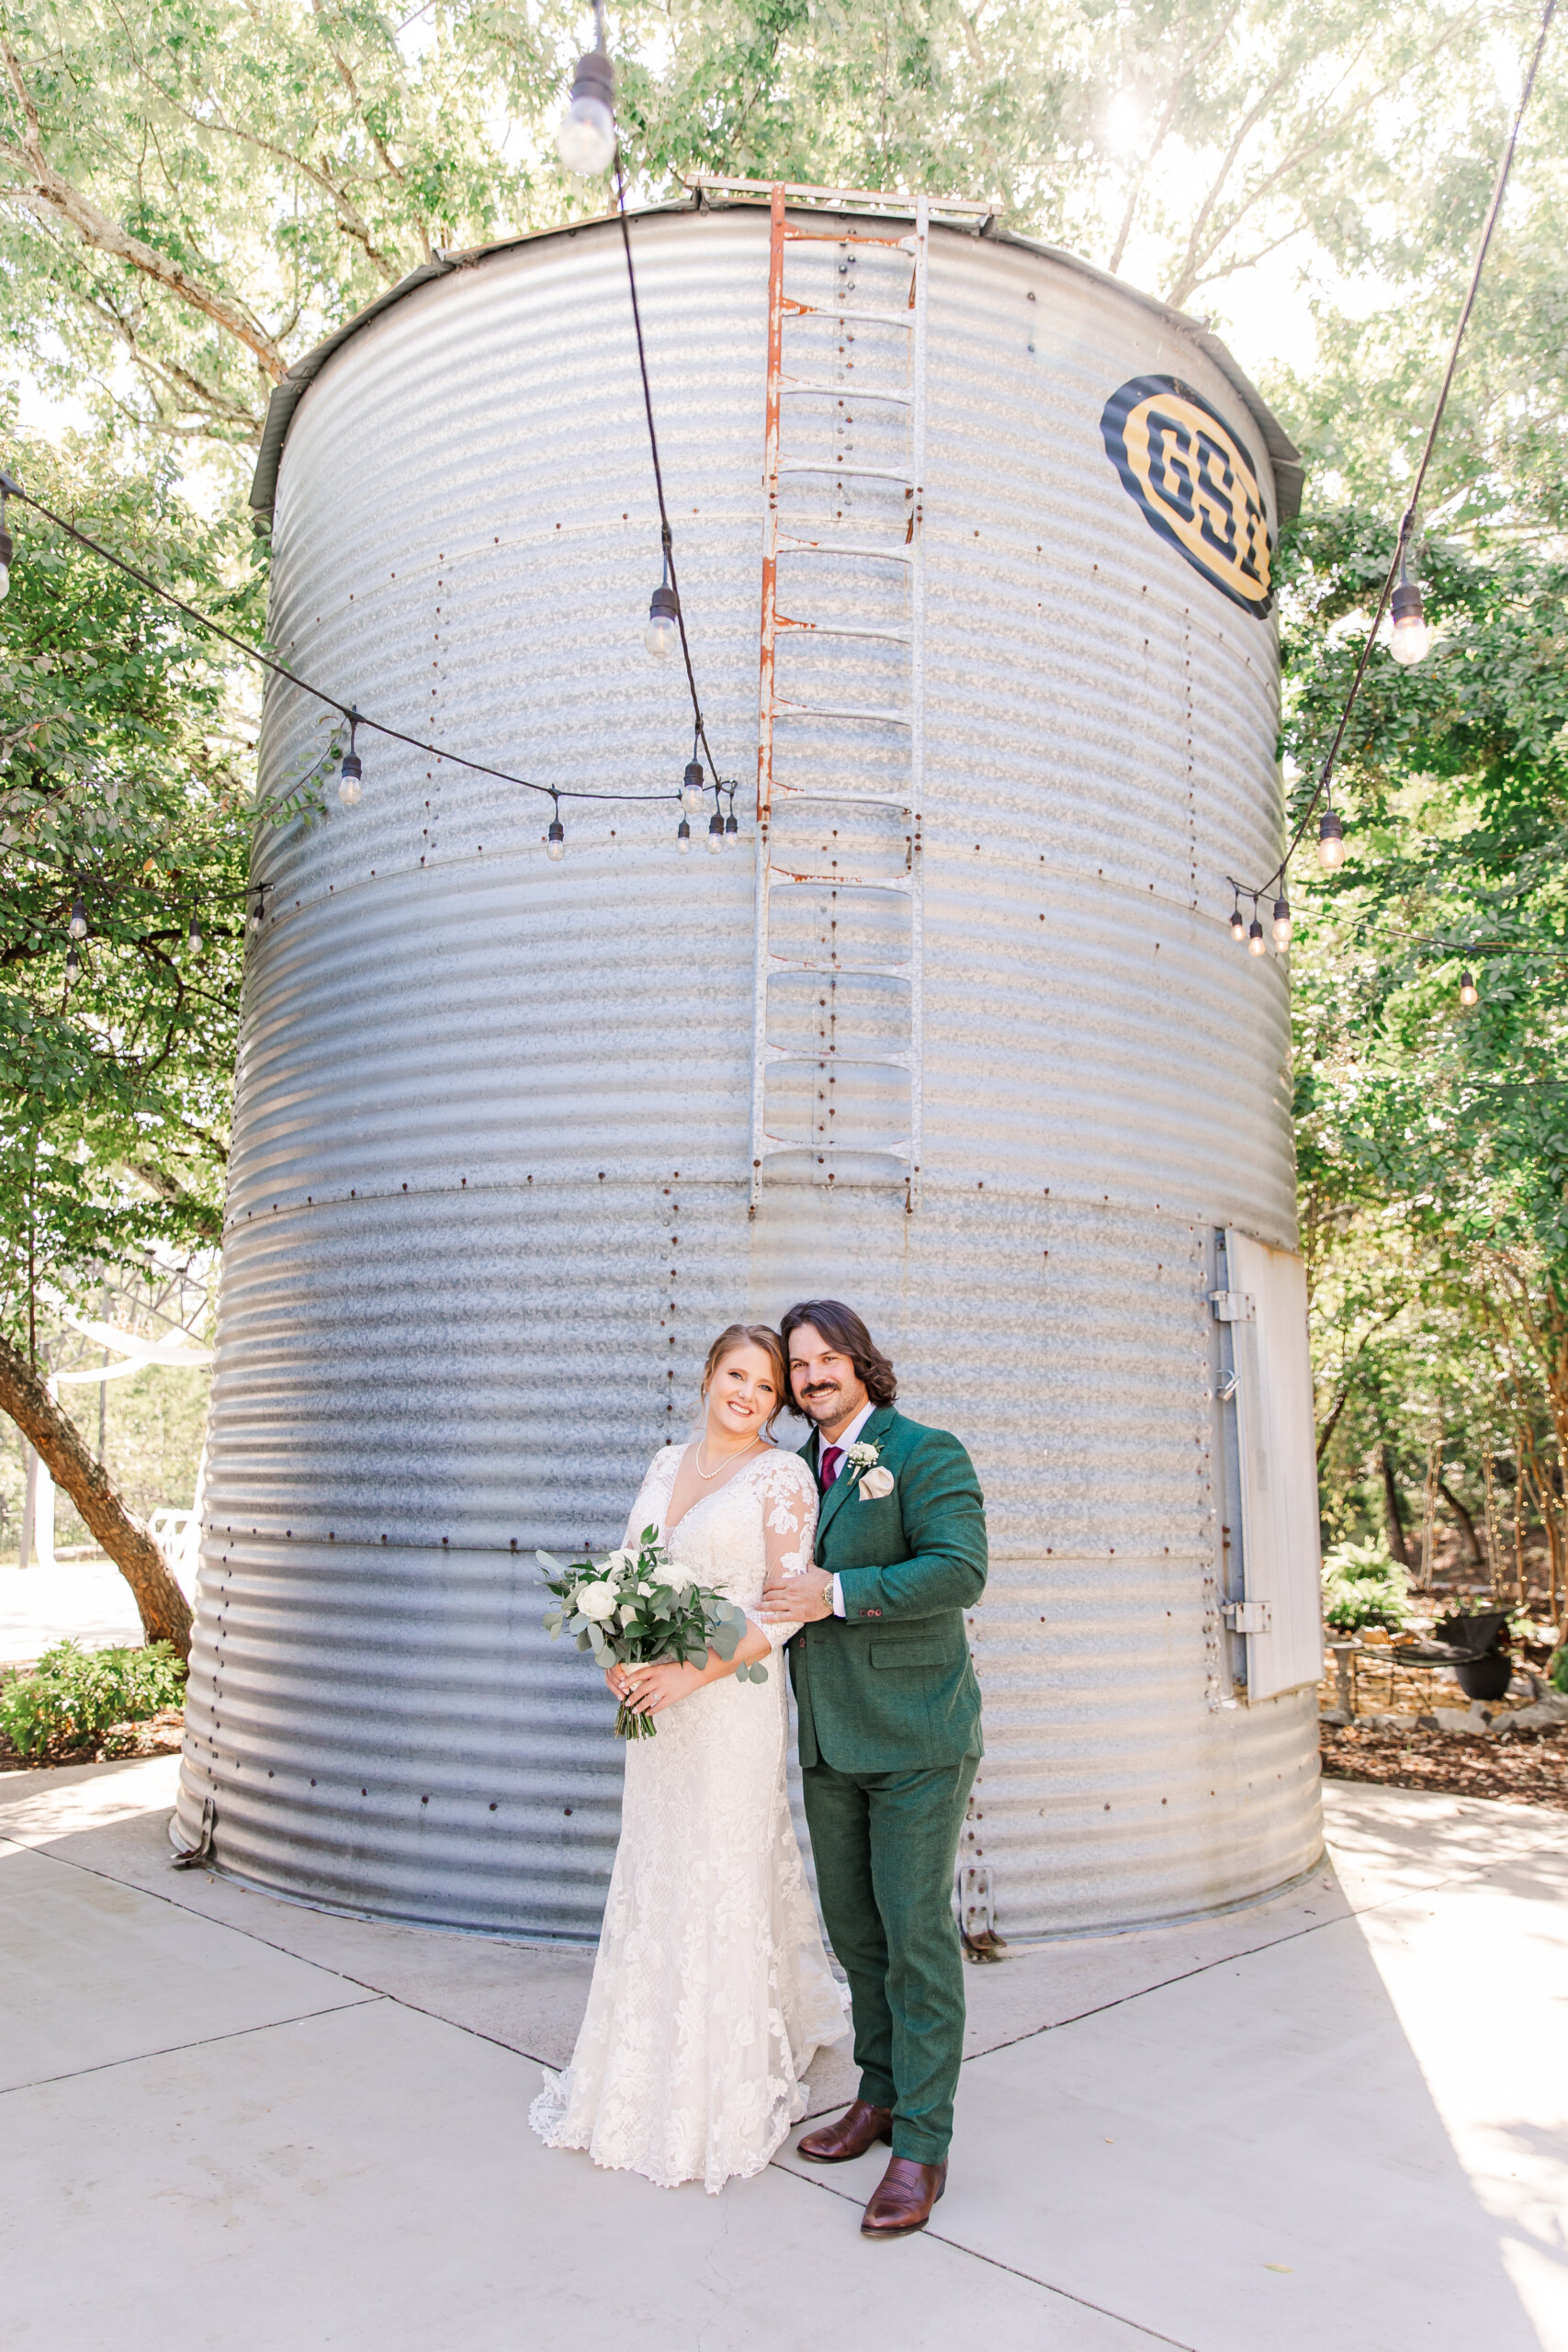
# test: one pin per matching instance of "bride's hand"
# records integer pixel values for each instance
(651, 1688)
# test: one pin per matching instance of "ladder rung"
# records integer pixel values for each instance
(782, 709)
(788, 876)
(844, 628)
(842, 971)
(847, 391)
(900, 800)
(859, 473)
(905, 319)
(837, 1053)
(790, 543)
(898, 1148)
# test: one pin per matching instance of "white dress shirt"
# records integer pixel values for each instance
(846, 1438)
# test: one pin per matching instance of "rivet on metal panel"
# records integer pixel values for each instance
(426, 1800)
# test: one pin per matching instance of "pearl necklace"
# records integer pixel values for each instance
(705, 1475)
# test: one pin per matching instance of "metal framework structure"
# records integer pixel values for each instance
(784, 389)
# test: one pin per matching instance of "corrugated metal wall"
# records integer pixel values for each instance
(489, 1174)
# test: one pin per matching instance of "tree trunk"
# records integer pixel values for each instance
(1391, 1512)
(165, 1614)
(1465, 1521)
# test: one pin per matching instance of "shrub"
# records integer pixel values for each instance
(1363, 1584)
(72, 1695)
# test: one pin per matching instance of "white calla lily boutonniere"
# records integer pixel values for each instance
(864, 1461)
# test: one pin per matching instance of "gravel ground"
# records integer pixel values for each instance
(1527, 1767)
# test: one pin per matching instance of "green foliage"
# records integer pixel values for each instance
(73, 1696)
(1364, 1585)
(123, 787)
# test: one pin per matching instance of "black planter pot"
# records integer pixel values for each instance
(1485, 1677)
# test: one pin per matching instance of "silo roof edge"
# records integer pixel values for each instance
(1284, 457)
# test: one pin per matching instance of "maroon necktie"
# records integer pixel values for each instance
(831, 1455)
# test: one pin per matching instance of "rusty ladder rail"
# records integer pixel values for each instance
(770, 874)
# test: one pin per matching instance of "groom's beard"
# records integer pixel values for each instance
(825, 1403)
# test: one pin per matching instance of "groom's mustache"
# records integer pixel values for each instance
(822, 1389)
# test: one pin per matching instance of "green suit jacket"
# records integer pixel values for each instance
(889, 1686)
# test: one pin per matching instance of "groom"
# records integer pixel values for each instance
(889, 1740)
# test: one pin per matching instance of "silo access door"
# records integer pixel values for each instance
(1281, 1615)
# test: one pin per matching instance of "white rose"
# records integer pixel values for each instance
(597, 1601)
(876, 1484)
(678, 1581)
(622, 1564)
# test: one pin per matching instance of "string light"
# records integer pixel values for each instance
(78, 924)
(1468, 992)
(193, 941)
(694, 788)
(7, 545)
(259, 910)
(555, 840)
(1256, 943)
(716, 833)
(731, 826)
(1239, 922)
(1281, 922)
(1330, 839)
(1411, 635)
(73, 964)
(683, 838)
(586, 137)
(663, 634)
(350, 784)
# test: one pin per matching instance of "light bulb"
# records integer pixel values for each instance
(1238, 928)
(1411, 635)
(256, 916)
(1330, 839)
(1281, 921)
(73, 964)
(693, 790)
(663, 634)
(683, 838)
(78, 920)
(8, 550)
(1468, 992)
(731, 830)
(194, 941)
(348, 783)
(716, 833)
(586, 137)
(555, 840)
(1254, 941)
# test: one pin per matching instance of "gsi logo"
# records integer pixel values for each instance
(1195, 482)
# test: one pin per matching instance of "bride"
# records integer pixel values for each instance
(710, 1989)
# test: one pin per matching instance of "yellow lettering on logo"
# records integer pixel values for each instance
(1193, 475)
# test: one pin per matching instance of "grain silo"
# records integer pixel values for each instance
(955, 1029)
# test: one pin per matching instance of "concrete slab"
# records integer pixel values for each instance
(368, 2182)
(1335, 2117)
(82, 1600)
(96, 1973)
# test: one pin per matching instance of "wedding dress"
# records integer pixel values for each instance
(710, 1989)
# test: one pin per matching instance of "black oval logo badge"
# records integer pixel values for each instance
(1196, 483)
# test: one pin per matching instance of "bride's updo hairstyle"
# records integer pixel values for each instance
(752, 1335)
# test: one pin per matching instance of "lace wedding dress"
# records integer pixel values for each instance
(710, 1989)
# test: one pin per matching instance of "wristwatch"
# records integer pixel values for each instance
(828, 1594)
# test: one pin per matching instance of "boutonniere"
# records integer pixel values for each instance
(862, 1461)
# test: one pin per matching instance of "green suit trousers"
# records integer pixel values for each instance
(885, 1845)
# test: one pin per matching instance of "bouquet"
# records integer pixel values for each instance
(637, 1608)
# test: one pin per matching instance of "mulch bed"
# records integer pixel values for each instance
(160, 1735)
(1527, 1768)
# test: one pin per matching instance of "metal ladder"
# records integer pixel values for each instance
(903, 1152)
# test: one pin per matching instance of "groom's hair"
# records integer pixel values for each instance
(842, 1328)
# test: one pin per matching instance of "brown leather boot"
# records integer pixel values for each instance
(903, 2202)
(859, 2127)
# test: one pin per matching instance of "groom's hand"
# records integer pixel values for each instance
(798, 1599)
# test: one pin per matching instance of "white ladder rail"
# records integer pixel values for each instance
(771, 872)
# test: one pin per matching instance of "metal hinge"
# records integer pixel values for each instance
(1234, 1307)
(1247, 1616)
